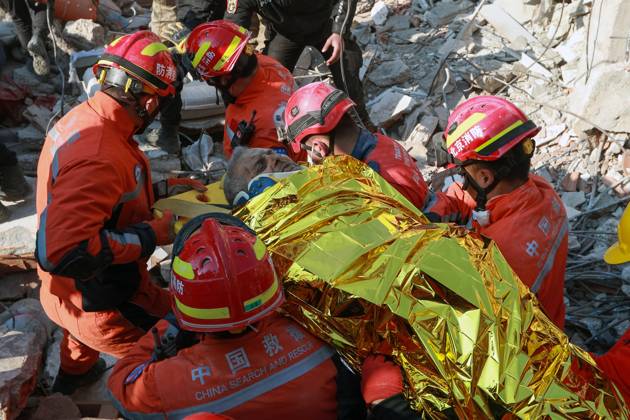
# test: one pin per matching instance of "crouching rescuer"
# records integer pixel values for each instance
(224, 348)
(94, 197)
(489, 140)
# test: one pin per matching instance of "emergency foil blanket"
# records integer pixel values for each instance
(365, 271)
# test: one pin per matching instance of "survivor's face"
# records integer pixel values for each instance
(253, 162)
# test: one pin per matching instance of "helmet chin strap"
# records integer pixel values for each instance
(482, 193)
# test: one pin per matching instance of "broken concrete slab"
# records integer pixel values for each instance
(573, 199)
(24, 330)
(17, 240)
(23, 77)
(38, 116)
(505, 25)
(84, 34)
(521, 11)
(379, 13)
(444, 12)
(19, 362)
(389, 107)
(56, 407)
(369, 54)
(549, 133)
(397, 23)
(416, 143)
(527, 64)
(389, 73)
(611, 27)
(600, 100)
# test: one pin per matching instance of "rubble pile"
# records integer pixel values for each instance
(565, 63)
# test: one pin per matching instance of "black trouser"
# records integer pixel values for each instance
(20, 12)
(7, 157)
(287, 52)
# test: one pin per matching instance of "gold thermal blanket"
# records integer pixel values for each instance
(366, 271)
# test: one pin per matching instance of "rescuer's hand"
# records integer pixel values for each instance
(163, 225)
(334, 41)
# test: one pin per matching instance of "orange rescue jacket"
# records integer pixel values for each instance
(530, 227)
(266, 94)
(387, 157)
(93, 193)
(279, 371)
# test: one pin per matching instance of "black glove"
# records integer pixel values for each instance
(172, 341)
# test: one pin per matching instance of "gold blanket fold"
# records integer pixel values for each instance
(367, 272)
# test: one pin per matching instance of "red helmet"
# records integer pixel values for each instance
(214, 48)
(138, 62)
(485, 128)
(315, 108)
(222, 277)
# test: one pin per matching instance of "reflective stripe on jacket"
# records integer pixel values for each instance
(93, 193)
(277, 372)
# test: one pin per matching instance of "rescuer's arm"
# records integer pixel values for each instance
(242, 16)
(133, 382)
(74, 239)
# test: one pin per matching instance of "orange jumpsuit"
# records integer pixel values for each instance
(530, 227)
(267, 94)
(279, 371)
(387, 157)
(93, 193)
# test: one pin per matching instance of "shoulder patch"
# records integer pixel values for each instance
(232, 5)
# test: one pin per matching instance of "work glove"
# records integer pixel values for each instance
(173, 186)
(163, 225)
(380, 379)
(172, 341)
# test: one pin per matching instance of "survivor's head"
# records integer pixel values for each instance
(248, 163)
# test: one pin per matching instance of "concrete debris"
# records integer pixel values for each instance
(84, 34)
(24, 77)
(573, 199)
(379, 13)
(549, 133)
(416, 143)
(600, 99)
(56, 407)
(38, 116)
(53, 361)
(505, 25)
(17, 240)
(389, 107)
(444, 11)
(24, 329)
(390, 73)
(369, 54)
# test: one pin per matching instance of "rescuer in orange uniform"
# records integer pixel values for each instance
(255, 88)
(490, 140)
(94, 198)
(323, 121)
(226, 350)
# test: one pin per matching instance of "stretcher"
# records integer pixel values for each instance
(192, 203)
